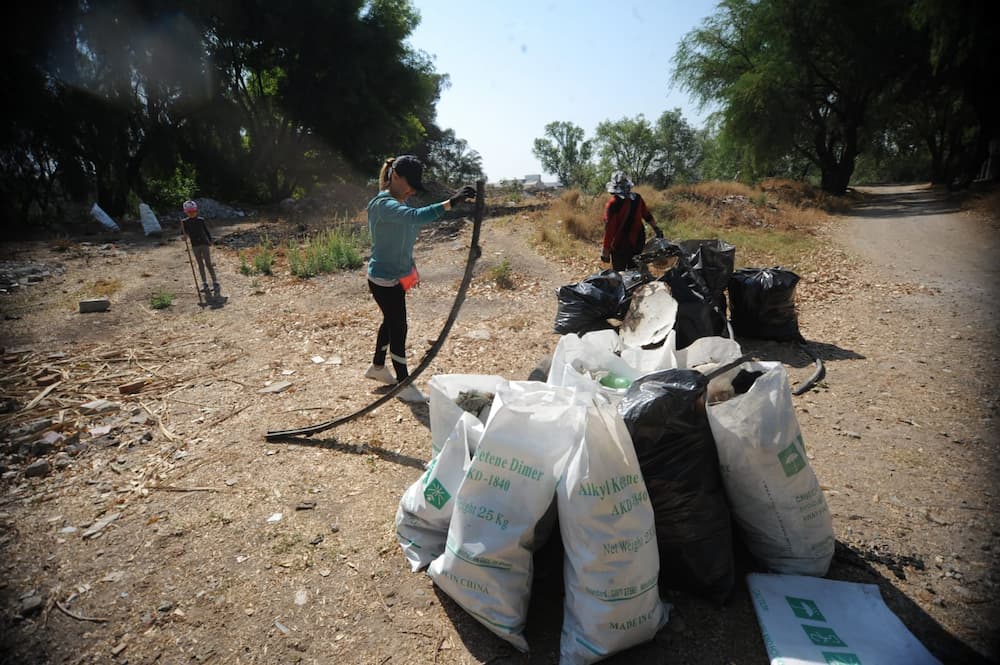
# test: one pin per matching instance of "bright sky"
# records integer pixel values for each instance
(517, 65)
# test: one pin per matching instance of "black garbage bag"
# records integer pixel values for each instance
(714, 260)
(665, 414)
(763, 304)
(632, 279)
(697, 314)
(587, 305)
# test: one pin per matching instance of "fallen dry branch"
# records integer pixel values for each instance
(79, 617)
(40, 396)
(159, 421)
(173, 488)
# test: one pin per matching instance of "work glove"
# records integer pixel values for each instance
(657, 232)
(467, 192)
(605, 258)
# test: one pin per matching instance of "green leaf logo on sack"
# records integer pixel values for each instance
(824, 637)
(791, 459)
(436, 494)
(841, 658)
(805, 609)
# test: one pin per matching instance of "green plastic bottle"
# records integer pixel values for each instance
(615, 382)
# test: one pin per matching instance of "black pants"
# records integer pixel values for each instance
(621, 257)
(392, 333)
(203, 255)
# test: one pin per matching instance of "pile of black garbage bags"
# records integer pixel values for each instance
(761, 302)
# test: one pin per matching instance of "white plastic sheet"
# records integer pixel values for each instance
(812, 621)
(651, 315)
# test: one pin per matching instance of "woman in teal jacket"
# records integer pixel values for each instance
(393, 228)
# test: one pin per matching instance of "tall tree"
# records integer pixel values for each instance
(958, 92)
(452, 162)
(564, 153)
(681, 149)
(260, 98)
(629, 145)
(794, 77)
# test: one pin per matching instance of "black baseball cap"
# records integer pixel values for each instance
(412, 169)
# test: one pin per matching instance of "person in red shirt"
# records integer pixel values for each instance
(624, 235)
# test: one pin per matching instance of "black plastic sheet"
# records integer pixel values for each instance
(665, 414)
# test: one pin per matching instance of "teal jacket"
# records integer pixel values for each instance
(393, 227)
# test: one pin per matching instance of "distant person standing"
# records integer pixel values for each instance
(195, 230)
(393, 228)
(624, 235)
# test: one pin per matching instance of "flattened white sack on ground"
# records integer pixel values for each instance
(774, 494)
(612, 563)
(487, 564)
(812, 621)
(425, 508)
(444, 389)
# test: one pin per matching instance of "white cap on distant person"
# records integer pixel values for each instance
(190, 205)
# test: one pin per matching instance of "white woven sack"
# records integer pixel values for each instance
(592, 351)
(487, 565)
(425, 508)
(774, 494)
(612, 563)
(444, 389)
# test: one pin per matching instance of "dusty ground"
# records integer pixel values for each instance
(901, 433)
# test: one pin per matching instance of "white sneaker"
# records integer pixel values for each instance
(412, 395)
(380, 374)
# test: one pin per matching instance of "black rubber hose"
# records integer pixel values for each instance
(474, 253)
(817, 375)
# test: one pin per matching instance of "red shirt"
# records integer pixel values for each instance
(615, 212)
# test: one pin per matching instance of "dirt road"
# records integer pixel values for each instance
(198, 566)
(915, 233)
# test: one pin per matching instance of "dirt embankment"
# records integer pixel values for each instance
(156, 528)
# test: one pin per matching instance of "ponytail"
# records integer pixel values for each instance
(383, 176)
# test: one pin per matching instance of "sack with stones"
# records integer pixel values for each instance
(451, 395)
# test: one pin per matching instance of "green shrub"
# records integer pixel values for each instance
(245, 267)
(502, 275)
(161, 300)
(169, 192)
(332, 250)
(258, 260)
(264, 259)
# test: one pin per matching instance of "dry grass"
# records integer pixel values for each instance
(581, 215)
(804, 195)
(104, 287)
(773, 224)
